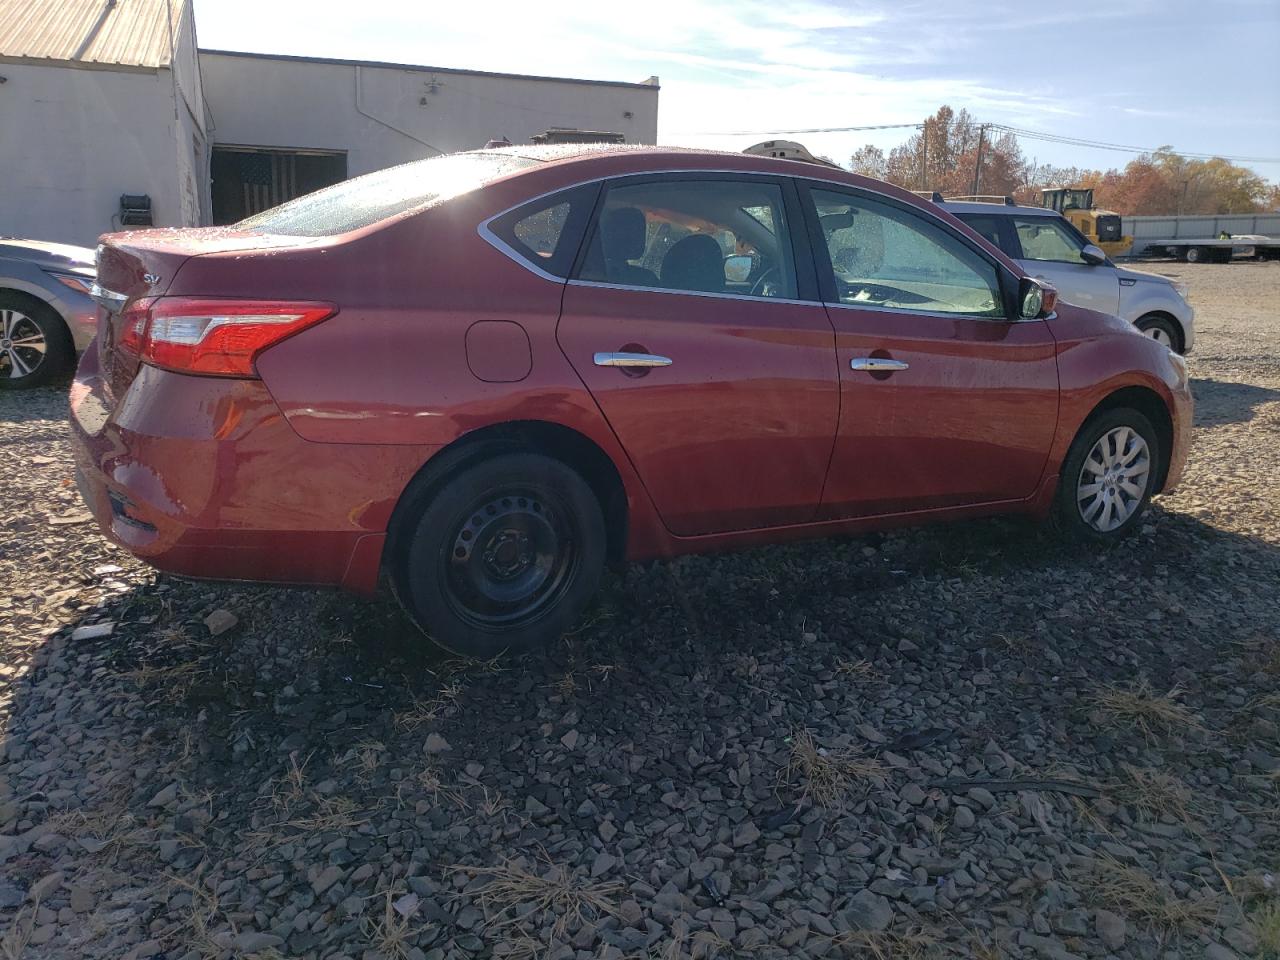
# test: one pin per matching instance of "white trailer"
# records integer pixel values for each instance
(1219, 250)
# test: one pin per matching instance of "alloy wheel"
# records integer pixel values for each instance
(1113, 479)
(22, 345)
(1160, 335)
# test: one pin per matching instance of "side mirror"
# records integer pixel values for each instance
(1093, 255)
(1036, 300)
(737, 269)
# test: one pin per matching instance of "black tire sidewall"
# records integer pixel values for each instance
(420, 587)
(59, 350)
(1067, 512)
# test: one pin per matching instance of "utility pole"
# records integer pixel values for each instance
(924, 156)
(977, 162)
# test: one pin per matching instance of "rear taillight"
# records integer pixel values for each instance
(215, 337)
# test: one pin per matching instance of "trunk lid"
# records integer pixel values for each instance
(143, 264)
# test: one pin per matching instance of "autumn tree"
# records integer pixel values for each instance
(944, 154)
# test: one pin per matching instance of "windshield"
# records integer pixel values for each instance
(356, 203)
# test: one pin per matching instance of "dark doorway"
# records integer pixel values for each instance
(248, 180)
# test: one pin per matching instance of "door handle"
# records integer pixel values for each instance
(877, 364)
(631, 360)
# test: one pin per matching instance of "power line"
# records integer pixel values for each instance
(774, 133)
(1120, 147)
(1016, 131)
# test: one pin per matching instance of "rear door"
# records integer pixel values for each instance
(696, 326)
(945, 401)
(1049, 249)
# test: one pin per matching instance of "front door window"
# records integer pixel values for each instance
(884, 256)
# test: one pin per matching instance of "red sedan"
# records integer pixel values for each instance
(489, 374)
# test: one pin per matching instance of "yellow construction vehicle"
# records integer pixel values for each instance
(1102, 227)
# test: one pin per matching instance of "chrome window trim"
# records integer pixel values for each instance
(899, 311)
(692, 293)
(485, 231)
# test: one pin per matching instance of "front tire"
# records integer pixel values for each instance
(35, 345)
(1108, 477)
(1162, 330)
(505, 557)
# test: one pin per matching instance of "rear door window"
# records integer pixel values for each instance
(718, 235)
(985, 226)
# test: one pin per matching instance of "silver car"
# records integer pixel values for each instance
(1049, 248)
(46, 315)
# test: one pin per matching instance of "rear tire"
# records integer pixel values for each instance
(504, 558)
(1196, 254)
(35, 345)
(1108, 477)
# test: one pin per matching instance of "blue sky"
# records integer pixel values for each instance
(1202, 75)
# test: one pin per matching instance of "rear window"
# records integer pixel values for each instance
(361, 201)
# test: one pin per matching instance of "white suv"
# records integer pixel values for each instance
(1048, 247)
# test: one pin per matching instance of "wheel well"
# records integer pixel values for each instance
(33, 303)
(550, 439)
(1148, 403)
(1177, 326)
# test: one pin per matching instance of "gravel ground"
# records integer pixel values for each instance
(963, 741)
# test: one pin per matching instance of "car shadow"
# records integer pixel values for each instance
(679, 669)
(1221, 402)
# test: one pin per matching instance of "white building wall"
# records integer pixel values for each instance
(72, 140)
(384, 115)
(192, 141)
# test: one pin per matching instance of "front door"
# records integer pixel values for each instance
(945, 401)
(687, 321)
(1050, 250)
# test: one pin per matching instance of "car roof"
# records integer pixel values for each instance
(996, 209)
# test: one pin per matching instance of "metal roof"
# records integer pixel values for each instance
(133, 33)
(650, 84)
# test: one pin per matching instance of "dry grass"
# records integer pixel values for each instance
(390, 933)
(1156, 795)
(287, 790)
(828, 775)
(567, 685)
(424, 712)
(1141, 707)
(363, 760)
(15, 940)
(173, 683)
(859, 671)
(329, 813)
(1267, 701)
(201, 918)
(555, 892)
(1265, 923)
(885, 945)
(1137, 894)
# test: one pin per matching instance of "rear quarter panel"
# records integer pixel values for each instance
(391, 368)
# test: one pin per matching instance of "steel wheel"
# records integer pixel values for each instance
(1114, 478)
(503, 555)
(23, 346)
(510, 559)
